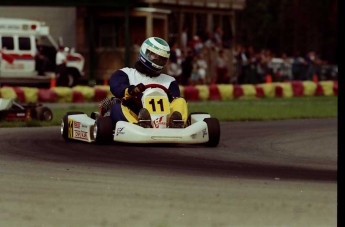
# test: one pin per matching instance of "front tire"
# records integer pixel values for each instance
(213, 127)
(95, 115)
(64, 124)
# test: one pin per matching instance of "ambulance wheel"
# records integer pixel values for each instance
(213, 127)
(71, 80)
(103, 130)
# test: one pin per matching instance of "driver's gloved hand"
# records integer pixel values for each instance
(136, 90)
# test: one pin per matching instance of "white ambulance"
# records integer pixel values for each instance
(28, 52)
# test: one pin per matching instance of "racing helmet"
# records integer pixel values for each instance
(154, 54)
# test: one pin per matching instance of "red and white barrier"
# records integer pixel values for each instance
(81, 94)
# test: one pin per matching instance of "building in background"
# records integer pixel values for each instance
(104, 28)
(109, 33)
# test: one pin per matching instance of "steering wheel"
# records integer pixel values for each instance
(157, 86)
(166, 90)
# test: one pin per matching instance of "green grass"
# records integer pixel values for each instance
(270, 109)
(234, 110)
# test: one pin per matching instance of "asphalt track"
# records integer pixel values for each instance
(275, 173)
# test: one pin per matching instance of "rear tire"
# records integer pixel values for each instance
(103, 130)
(94, 115)
(213, 131)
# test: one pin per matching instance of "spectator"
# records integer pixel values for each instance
(210, 55)
(174, 66)
(187, 67)
(261, 66)
(313, 65)
(61, 69)
(197, 45)
(328, 71)
(41, 61)
(199, 70)
(184, 39)
(221, 68)
(285, 68)
(236, 62)
(318, 65)
(251, 76)
(242, 59)
(312, 62)
(298, 67)
(218, 37)
(209, 43)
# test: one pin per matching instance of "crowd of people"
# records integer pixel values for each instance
(205, 61)
(254, 66)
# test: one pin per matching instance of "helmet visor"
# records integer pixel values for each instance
(155, 58)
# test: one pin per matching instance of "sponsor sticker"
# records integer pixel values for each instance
(120, 131)
(76, 124)
(80, 135)
(157, 105)
(70, 128)
(204, 133)
(158, 121)
(83, 127)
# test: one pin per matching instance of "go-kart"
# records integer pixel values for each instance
(10, 110)
(200, 128)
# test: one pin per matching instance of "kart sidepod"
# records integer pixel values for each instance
(201, 128)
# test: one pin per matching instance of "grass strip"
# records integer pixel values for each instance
(233, 110)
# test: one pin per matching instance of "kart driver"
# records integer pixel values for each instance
(127, 85)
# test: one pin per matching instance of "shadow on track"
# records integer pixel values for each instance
(183, 159)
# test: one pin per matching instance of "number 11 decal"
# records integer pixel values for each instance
(157, 105)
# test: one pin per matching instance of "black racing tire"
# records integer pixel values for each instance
(68, 78)
(94, 115)
(64, 124)
(74, 112)
(213, 127)
(43, 113)
(104, 130)
(64, 128)
(189, 122)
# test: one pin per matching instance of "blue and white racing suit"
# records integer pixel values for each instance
(128, 108)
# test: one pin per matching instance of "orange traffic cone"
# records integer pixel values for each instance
(315, 78)
(268, 78)
(52, 81)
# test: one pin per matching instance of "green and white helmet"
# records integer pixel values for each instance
(154, 54)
